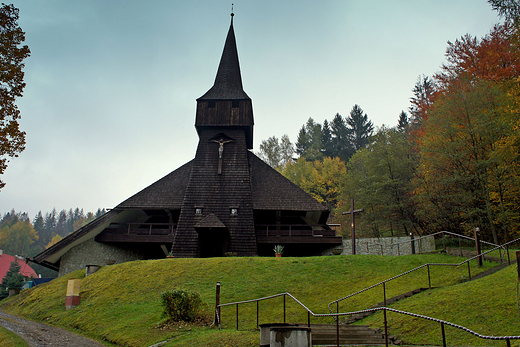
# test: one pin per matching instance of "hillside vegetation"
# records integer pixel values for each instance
(120, 304)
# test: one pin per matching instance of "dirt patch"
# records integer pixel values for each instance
(41, 335)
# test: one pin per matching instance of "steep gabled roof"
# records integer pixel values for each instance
(228, 82)
(272, 191)
(168, 192)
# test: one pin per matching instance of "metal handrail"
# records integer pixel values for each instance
(434, 234)
(420, 267)
(384, 308)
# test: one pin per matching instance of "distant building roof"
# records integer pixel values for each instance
(5, 262)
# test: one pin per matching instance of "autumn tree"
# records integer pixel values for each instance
(319, 178)
(378, 178)
(12, 139)
(509, 9)
(421, 101)
(18, 238)
(275, 152)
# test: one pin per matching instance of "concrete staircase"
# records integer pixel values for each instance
(326, 335)
(355, 317)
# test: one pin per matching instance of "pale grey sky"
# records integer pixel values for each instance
(109, 106)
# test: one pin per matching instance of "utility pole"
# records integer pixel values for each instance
(352, 223)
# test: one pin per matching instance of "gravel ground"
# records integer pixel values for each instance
(41, 335)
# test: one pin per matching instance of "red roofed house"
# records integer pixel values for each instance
(5, 262)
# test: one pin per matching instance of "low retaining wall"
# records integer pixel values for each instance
(385, 246)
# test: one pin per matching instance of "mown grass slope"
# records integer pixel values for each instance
(120, 303)
(487, 306)
(10, 339)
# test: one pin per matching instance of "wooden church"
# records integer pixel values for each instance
(224, 202)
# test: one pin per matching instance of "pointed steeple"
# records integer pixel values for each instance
(226, 104)
(228, 82)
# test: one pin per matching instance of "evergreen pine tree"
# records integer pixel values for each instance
(403, 121)
(339, 138)
(360, 128)
(13, 279)
(326, 140)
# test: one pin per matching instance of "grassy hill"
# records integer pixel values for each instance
(120, 303)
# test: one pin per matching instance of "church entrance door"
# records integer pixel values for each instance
(212, 242)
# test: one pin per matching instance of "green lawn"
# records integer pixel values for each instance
(10, 339)
(488, 306)
(120, 304)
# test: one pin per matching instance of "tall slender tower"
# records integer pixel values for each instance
(217, 212)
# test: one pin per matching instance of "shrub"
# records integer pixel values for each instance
(181, 305)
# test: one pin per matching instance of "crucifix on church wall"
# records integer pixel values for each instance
(221, 142)
(352, 223)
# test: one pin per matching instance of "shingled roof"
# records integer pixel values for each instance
(168, 192)
(228, 82)
(272, 191)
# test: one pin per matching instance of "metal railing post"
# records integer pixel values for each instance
(237, 316)
(386, 326)
(257, 313)
(443, 335)
(309, 319)
(429, 277)
(384, 294)
(469, 271)
(217, 303)
(284, 308)
(508, 258)
(337, 330)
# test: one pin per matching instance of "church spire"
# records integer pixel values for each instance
(228, 82)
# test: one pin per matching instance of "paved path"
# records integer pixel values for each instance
(41, 335)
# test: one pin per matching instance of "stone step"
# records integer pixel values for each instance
(326, 334)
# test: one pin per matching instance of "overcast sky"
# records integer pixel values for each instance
(109, 106)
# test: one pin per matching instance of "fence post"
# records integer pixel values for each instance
(412, 243)
(237, 316)
(518, 264)
(257, 313)
(384, 294)
(337, 324)
(386, 326)
(508, 258)
(443, 244)
(477, 245)
(443, 335)
(429, 278)
(284, 308)
(469, 271)
(460, 247)
(217, 303)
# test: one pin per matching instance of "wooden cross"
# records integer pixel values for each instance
(221, 143)
(351, 212)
